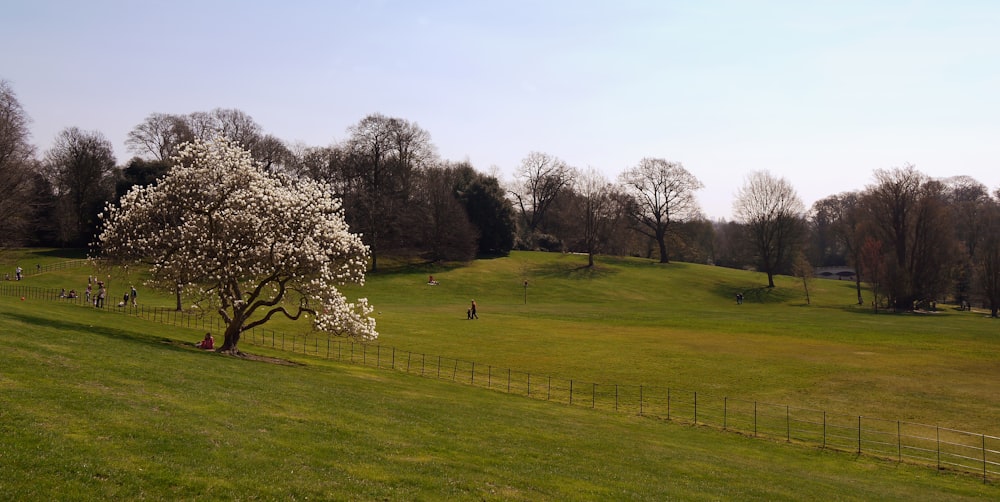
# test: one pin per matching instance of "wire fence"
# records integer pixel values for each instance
(48, 267)
(943, 448)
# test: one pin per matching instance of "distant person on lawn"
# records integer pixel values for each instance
(208, 343)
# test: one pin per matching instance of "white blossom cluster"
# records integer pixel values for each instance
(260, 244)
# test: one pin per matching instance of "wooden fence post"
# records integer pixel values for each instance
(788, 425)
(859, 434)
(696, 408)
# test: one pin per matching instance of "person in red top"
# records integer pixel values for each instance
(208, 343)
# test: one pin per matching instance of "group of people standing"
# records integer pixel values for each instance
(97, 299)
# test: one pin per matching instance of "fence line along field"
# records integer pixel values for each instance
(628, 323)
(101, 406)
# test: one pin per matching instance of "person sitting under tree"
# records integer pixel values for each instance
(208, 343)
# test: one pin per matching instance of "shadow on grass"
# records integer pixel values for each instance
(112, 333)
(754, 293)
(396, 267)
(572, 270)
(70, 253)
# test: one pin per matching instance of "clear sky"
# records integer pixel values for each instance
(820, 93)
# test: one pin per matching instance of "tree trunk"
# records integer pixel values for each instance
(770, 279)
(232, 337)
(661, 240)
(178, 293)
(857, 284)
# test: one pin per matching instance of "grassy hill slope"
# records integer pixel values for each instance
(636, 322)
(97, 406)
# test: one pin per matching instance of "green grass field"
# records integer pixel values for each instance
(98, 405)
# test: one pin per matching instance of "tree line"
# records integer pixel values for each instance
(911, 239)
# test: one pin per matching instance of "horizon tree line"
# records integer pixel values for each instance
(911, 239)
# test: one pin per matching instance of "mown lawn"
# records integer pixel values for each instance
(636, 322)
(100, 406)
(677, 325)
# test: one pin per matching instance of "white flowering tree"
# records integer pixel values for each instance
(248, 244)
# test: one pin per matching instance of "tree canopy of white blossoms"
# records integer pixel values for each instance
(249, 243)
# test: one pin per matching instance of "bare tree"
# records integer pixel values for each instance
(969, 202)
(989, 259)
(203, 125)
(438, 221)
(382, 155)
(844, 222)
(537, 182)
(319, 163)
(17, 167)
(907, 212)
(873, 264)
(272, 153)
(81, 167)
(596, 209)
(236, 126)
(664, 193)
(728, 245)
(803, 270)
(159, 136)
(773, 215)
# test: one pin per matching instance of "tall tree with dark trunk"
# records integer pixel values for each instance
(382, 155)
(989, 257)
(773, 215)
(538, 181)
(907, 212)
(664, 193)
(969, 203)
(845, 225)
(81, 167)
(18, 168)
(596, 210)
(438, 220)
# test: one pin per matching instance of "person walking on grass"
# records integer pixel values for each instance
(472, 311)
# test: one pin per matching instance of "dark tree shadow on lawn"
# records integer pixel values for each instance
(76, 327)
(754, 293)
(572, 270)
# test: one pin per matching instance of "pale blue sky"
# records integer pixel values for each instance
(821, 93)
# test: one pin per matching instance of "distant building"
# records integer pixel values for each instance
(837, 273)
